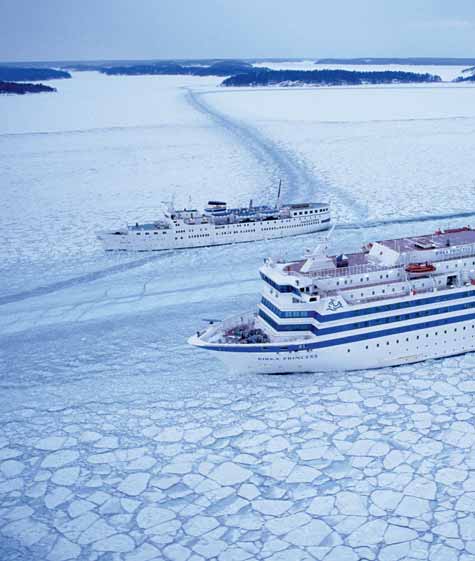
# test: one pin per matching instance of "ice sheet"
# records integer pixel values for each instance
(377, 150)
(119, 441)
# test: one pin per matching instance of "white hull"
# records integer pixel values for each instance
(384, 351)
(205, 235)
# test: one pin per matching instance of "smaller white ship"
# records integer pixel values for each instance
(218, 225)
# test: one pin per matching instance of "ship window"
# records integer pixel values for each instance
(138, 234)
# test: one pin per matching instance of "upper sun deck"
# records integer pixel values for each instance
(148, 226)
(389, 254)
(306, 206)
(439, 239)
(223, 214)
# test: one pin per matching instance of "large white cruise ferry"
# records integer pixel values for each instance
(219, 225)
(396, 302)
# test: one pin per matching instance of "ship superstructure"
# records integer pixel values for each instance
(395, 302)
(219, 225)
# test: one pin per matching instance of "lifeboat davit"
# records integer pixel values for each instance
(420, 268)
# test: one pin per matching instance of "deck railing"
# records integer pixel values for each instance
(449, 253)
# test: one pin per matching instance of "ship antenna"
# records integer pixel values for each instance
(326, 239)
(320, 253)
(278, 195)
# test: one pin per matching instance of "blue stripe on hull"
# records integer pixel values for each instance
(340, 341)
(356, 325)
(376, 309)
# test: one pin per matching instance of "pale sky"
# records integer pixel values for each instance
(38, 30)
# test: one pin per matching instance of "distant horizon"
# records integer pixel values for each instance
(435, 60)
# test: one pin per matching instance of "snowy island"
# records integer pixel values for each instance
(416, 61)
(171, 68)
(23, 88)
(241, 73)
(267, 77)
(16, 80)
(469, 75)
(17, 74)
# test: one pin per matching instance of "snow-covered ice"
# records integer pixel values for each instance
(121, 443)
(370, 144)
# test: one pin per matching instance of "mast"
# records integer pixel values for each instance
(277, 204)
(318, 258)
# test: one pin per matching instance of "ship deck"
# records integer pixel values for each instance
(359, 263)
(437, 240)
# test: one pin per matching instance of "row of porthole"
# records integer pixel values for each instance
(418, 337)
(311, 211)
(293, 225)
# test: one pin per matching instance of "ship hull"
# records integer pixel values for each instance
(396, 350)
(208, 236)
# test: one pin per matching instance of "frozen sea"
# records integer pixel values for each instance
(121, 443)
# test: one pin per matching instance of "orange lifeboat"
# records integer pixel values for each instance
(420, 268)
